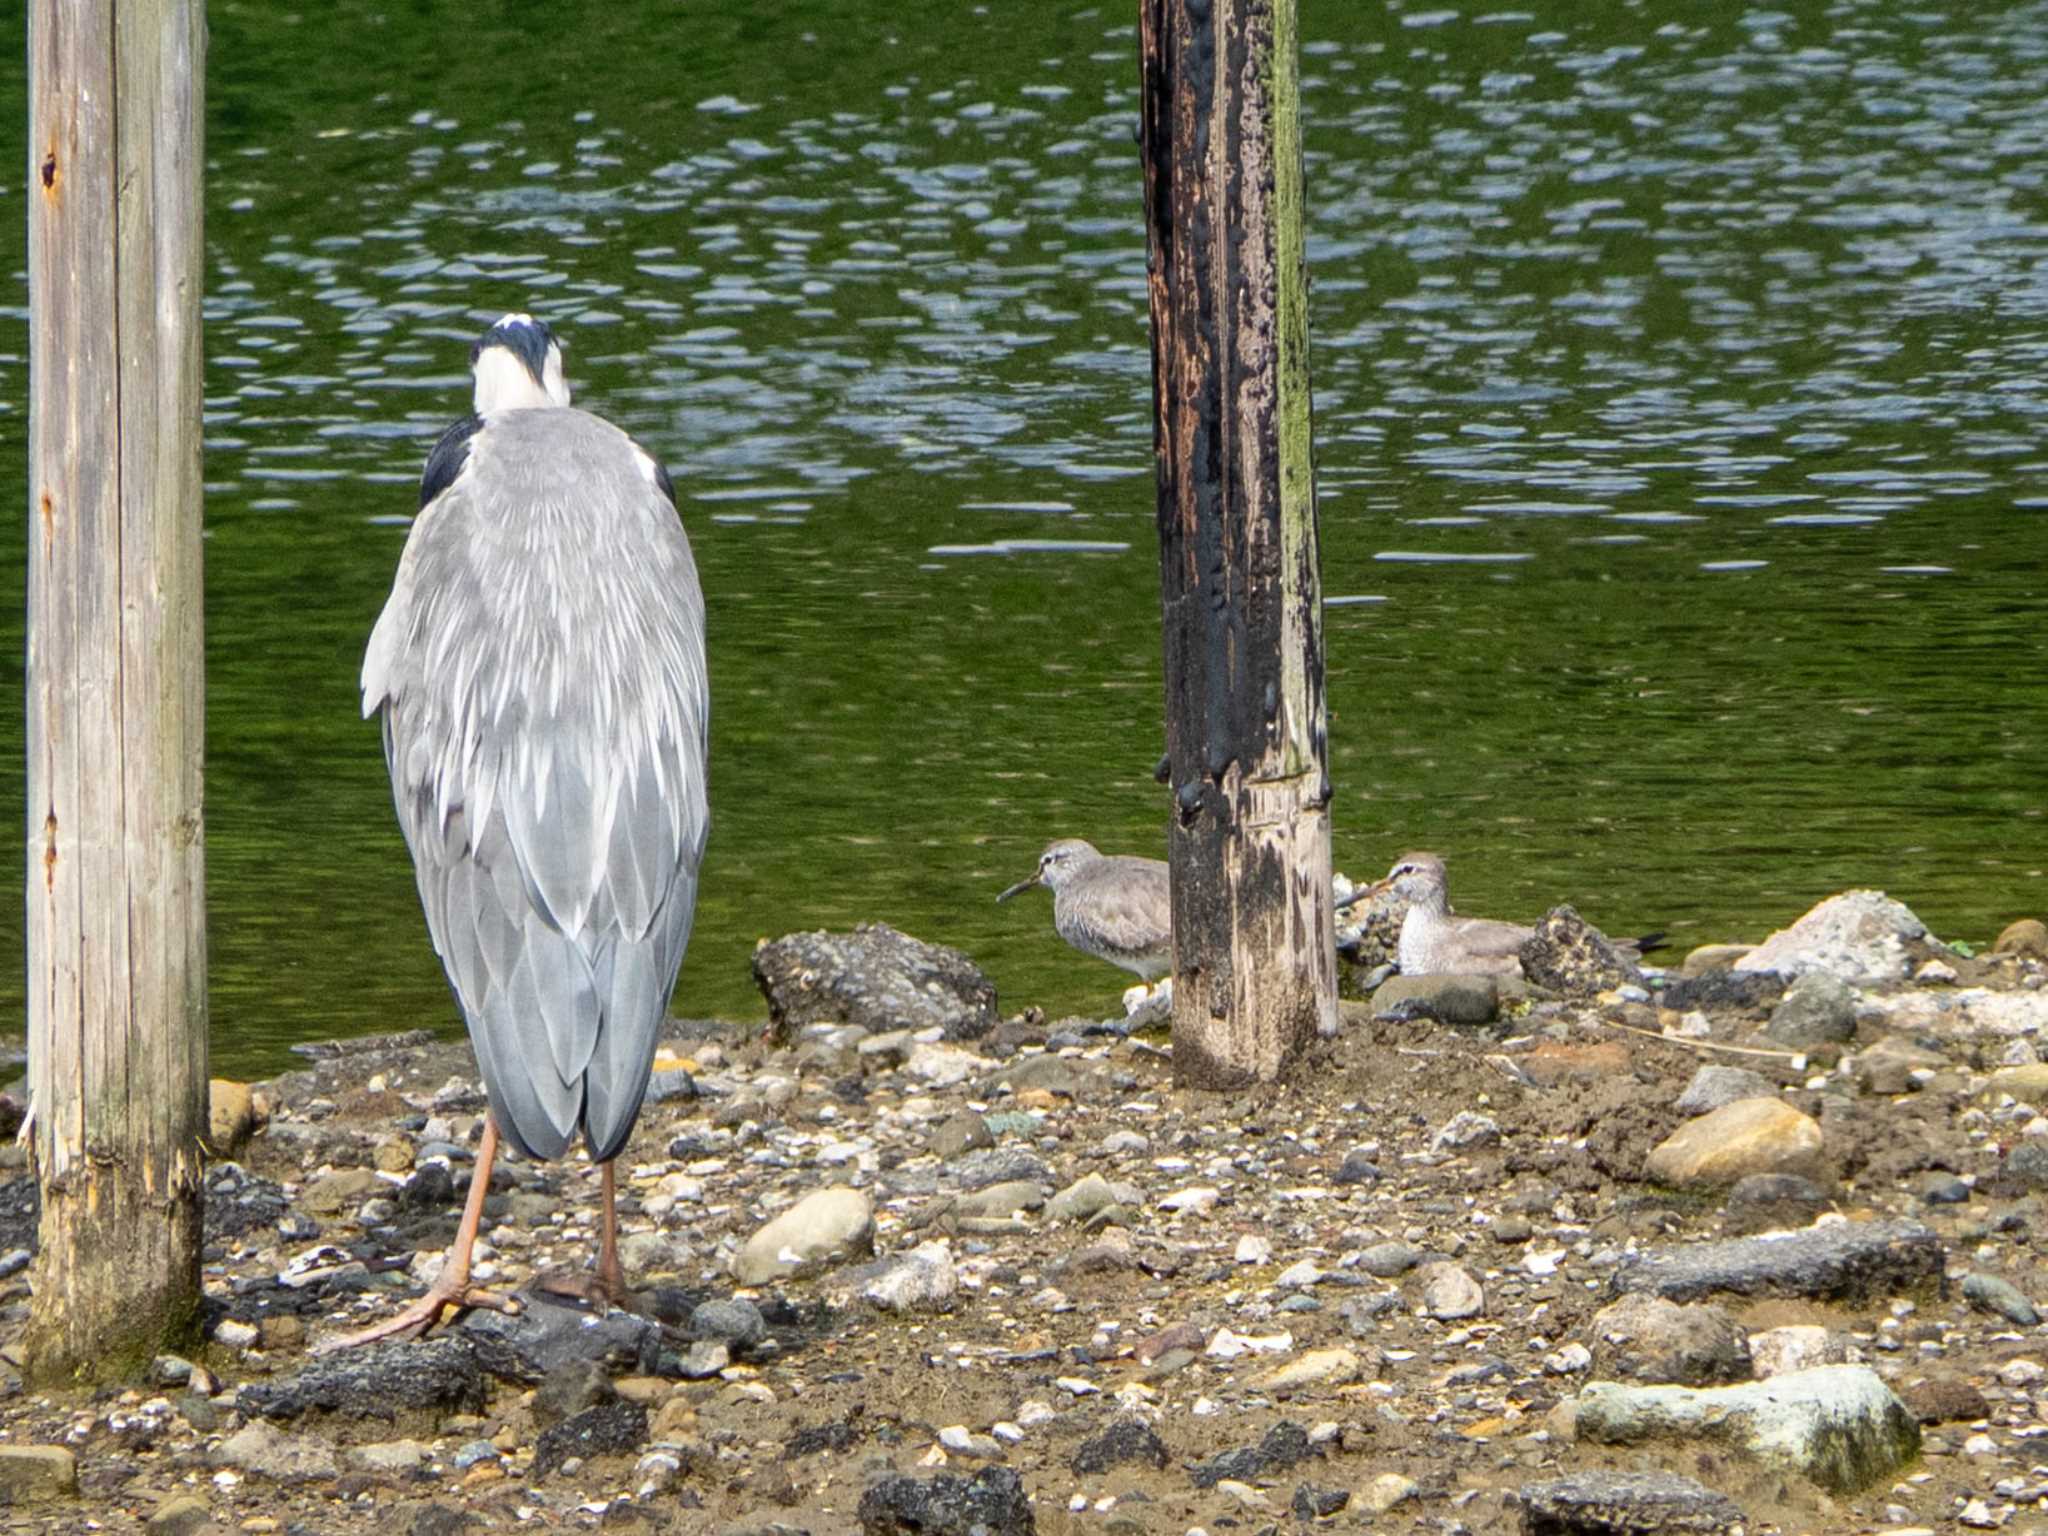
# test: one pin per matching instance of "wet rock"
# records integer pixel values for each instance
(1626, 1504)
(1838, 1426)
(1736, 1140)
(1724, 992)
(37, 1472)
(875, 977)
(2028, 936)
(819, 1230)
(263, 1450)
(1714, 1088)
(991, 1503)
(736, 1323)
(1765, 1202)
(1888, 1067)
(1844, 1261)
(1124, 1440)
(1448, 999)
(2000, 1297)
(1647, 1338)
(1817, 1009)
(378, 1381)
(1449, 1292)
(1568, 954)
(610, 1429)
(550, 1333)
(1858, 936)
(569, 1389)
(1286, 1444)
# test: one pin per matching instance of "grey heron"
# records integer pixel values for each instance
(539, 671)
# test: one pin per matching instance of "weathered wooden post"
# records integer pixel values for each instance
(1240, 584)
(116, 923)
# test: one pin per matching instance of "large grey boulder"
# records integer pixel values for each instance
(875, 977)
(1859, 936)
(1838, 1425)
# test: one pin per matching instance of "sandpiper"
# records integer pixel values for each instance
(1436, 940)
(1114, 907)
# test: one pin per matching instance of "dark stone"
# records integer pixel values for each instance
(991, 1503)
(1357, 1168)
(874, 977)
(736, 1323)
(441, 1520)
(238, 1202)
(430, 1187)
(1000, 1165)
(1990, 1293)
(379, 1381)
(570, 1388)
(1286, 1443)
(1725, 991)
(1568, 954)
(1817, 1009)
(1853, 1261)
(836, 1435)
(1944, 1189)
(1765, 1202)
(1125, 1440)
(1313, 1503)
(1625, 1504)
(961, 1132)
(549, 1333)
(610, 1429)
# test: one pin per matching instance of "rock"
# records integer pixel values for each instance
(180, 1515)
(1126, 1439)
(230, 1116)
(1552, 1062)
(1795, 1347)
(1000, 1165)
(569, 1389)
(1728, 991)
(442, 1520)
(1714, 1088)
(1386, 1261)
(1043, 1071)
(333, 1193)
(378, 1381)
(1817, 1009)
(704, 1359)
(263, 1450)
(610, 1429)
(1465, 1131)
(1765, 1202)
(961, 1132)
(1887, 1067)
(1944, 1400)
(942, 1065)
(1647, 1338)
(1843, 1261)
(1385, 1491)
(2001, 1298)
(1748, 1136)
(1707, 959)
(735, 1323)
(991, 1503)
(1567, 954)
(550, 1333)
(1000, 1200)
(391, 1458)
(1943, 1189)
(2027, 1165)
(875, 977)
(1838, 1426)
(923, 1279)
(1626, 1504)
(1080, 1200)
(1334, 1367)
(1286, 1444)
(819, 1230)
(1450, 1292)
(650, 1257)
(37, 1472)
(2028, 937)
(1449, 999)
(2028, 1083)
(1357, 1168)
(1859, 936)
(1313, 1503)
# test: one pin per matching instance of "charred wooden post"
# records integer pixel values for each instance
(1240, 584)
(116, 929)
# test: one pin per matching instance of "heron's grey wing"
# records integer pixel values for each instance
(541, 671)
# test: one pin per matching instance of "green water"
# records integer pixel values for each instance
(1611, 299)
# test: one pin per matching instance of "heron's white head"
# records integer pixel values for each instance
(518, 366)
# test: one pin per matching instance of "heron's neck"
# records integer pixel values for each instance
(504, 384)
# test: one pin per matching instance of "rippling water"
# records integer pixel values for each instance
(1679, 417)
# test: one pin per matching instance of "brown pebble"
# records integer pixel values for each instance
(2028, 936)
(282, 1331)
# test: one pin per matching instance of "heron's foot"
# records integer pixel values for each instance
(415, 1320)
(593, 1288)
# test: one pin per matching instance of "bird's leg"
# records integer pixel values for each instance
(607, 1286)
(451, 1288)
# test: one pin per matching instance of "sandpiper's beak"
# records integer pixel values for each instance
(1021, 885)
(1366, 893)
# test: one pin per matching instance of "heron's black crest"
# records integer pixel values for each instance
(450, 453)
(525, 338)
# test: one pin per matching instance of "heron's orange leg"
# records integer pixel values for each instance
(607, 1286)
(451, 1288)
